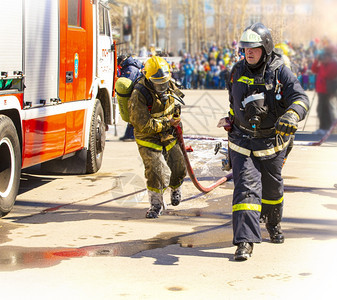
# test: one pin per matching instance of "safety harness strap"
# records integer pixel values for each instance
(144, 91)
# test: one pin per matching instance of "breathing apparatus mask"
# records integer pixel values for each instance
(161, 90)
(255, 109)
(164, 91)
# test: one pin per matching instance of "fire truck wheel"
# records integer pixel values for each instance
(96, 139)
(10, 165)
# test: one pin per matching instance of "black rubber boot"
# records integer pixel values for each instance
(157, 205)
(154, 211)
(176, 196)
(244, 251)
(275, 233)
(128, 136)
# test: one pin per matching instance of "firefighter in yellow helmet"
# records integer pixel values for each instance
(154, 114)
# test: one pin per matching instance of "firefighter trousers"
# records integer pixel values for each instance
(258, 193)
(163, 169)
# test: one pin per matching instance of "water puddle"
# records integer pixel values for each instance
(5, 229)
(17, 258)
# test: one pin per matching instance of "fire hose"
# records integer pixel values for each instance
(228, 176)
(190, 170)
(297, 143)
(322, 140)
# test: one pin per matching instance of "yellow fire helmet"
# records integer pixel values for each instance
(157, 70)
(284, 47)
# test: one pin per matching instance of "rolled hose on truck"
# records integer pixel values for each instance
(190, 170)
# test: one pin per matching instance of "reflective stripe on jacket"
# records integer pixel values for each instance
(259, 153)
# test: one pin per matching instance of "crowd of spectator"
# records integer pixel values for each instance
(314, 64)
(211, 68)
(207, 70)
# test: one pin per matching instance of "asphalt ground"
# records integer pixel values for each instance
(86, 236)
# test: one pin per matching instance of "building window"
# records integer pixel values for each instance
(181, 21)
(160, 22)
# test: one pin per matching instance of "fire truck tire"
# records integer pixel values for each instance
(96, 139)
(10, 165)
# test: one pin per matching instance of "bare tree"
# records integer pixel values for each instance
(217, 19)
(289, 19)
(168, 23)
(201, 26)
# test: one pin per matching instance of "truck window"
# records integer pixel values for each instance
(74, 13)
(104, 28)
(106, 22)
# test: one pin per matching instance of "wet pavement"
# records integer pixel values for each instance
(17, 258)
(86, 237)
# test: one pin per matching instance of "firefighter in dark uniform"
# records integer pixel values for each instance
(154, 114)
(266, 103)
(129, 68)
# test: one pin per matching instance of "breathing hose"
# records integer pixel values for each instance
(190, 170)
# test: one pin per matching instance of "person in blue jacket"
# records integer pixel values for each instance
(266, 104)
(129, 68)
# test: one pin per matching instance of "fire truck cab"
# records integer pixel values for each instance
(57, 74)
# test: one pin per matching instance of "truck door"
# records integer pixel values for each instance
(105, 63)
(76, 65)
(76, 50)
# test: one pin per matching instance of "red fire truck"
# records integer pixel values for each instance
(57, 64)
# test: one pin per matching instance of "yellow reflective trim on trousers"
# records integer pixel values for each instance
(170, 145)
(239, 149)
(267, 152)
(246, 206)
(302, 104)
(149, 145)
(167, 111)
(272, 202)
(156, 190)
(175, 186)
(231, 112)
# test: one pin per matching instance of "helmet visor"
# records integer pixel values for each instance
(250, 44)
(161, 76)
(250, 39)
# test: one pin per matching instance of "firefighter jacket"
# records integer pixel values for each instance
(149, 117)
(282, 91)
(281, 88)
(130, 68)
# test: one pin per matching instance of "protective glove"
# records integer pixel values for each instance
(287, 124)
(226, 122)
(177, 111)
